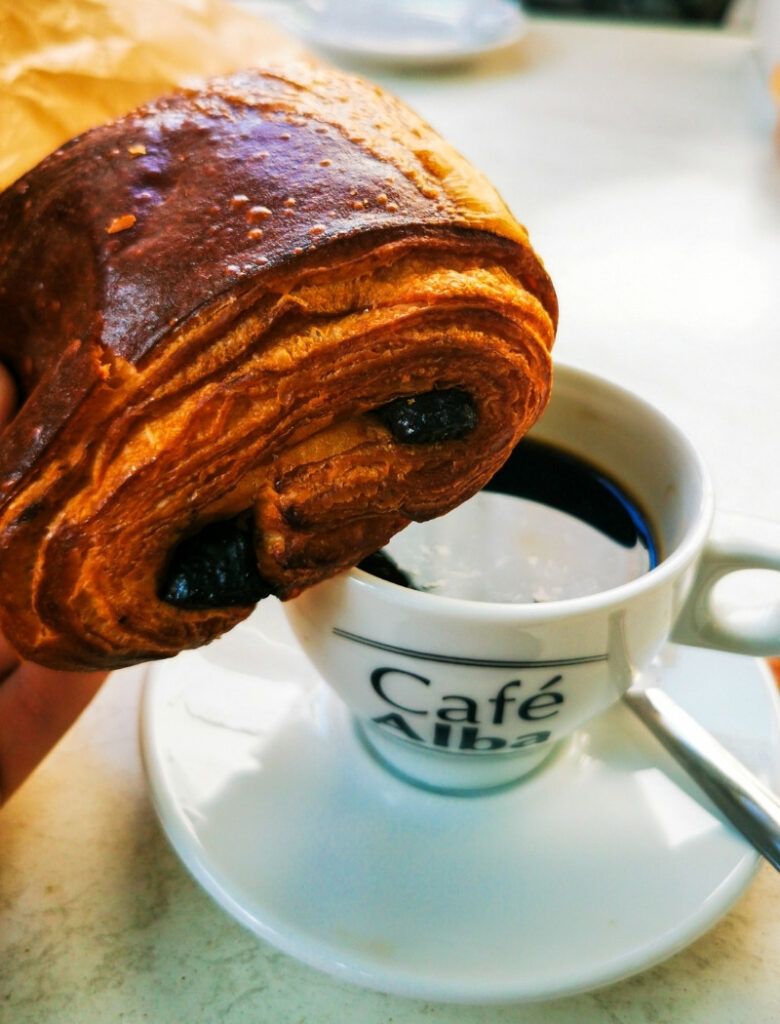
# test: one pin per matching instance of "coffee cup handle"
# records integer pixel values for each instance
(730, 627)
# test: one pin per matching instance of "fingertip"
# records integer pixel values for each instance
(37, 707)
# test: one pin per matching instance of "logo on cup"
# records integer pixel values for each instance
(426, 706)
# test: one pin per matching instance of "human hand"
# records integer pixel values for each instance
(37, 705)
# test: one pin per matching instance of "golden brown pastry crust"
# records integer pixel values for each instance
(203, 302)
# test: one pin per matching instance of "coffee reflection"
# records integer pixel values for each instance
(548, 527)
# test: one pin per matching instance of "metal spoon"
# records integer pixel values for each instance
(747, 803)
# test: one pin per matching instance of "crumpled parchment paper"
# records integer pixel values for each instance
(67, 65)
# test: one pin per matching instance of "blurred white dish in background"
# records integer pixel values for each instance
(767, 33)
(402, 31)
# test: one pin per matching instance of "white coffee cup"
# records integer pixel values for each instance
(463, 695)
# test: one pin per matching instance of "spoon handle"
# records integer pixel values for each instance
(748, 804)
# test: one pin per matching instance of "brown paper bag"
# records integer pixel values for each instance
(67, 65)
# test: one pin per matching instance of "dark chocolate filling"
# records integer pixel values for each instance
(215, 568)
(447, 414)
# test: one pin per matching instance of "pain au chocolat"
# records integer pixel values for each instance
(257, 328)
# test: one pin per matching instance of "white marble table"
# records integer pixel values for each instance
(644, 165)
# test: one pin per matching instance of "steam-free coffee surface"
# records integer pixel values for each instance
(548, 527)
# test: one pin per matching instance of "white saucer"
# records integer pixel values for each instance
(602, 864)
(406, 32)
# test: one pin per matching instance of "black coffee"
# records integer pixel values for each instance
(547, 527)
